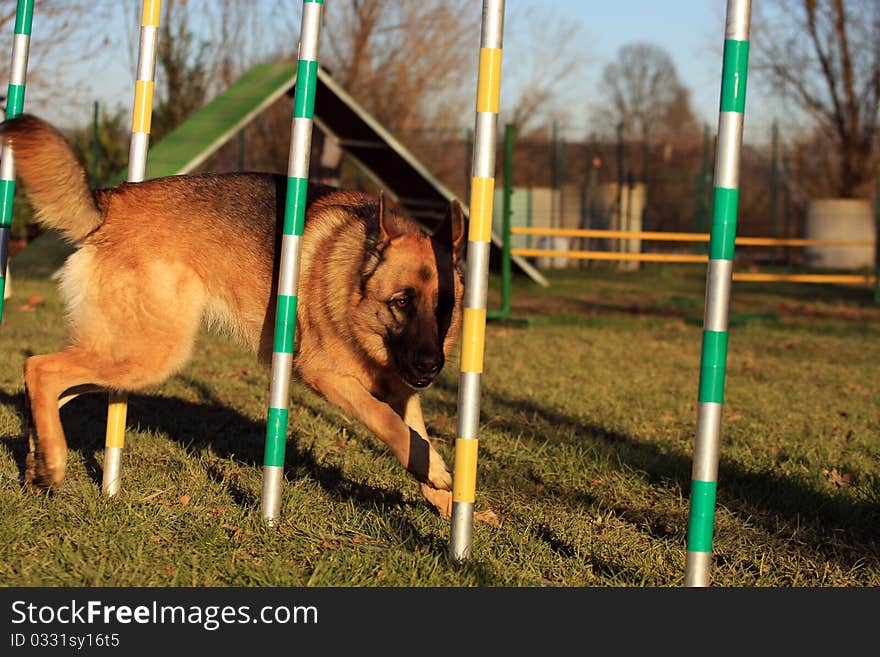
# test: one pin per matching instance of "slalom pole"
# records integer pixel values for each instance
(288, 278)
(877, 242)
(24, 14)
(713, 362)
(137, 168)
(476, 281)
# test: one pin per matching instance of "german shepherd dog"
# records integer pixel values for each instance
(379, 299)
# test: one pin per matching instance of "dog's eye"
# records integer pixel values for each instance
(400, 302)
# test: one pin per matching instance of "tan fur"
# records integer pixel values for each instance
(159, 258)
(59, 186)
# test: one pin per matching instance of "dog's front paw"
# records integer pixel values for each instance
(439, 475)
(439, 499)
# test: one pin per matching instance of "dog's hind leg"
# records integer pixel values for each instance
(54, 379)
(46, 378)
(123, 346)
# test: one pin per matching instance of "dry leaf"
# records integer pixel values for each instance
(440, 424)
(839, 479)
(169, 571)
(236, 374)
(489, 517)
(36, 300)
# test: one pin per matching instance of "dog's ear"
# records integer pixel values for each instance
(455, 219)
(389, 228)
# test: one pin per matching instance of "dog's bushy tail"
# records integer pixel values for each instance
(56, 182)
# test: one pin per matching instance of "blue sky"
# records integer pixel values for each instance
(690, 30)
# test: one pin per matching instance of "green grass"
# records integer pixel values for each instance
(587, 426)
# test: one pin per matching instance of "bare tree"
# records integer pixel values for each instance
(642, 91)
(63, 36)
(824, 57)
(406, 62)
(226, 36)
(184, 67)
(550, 55)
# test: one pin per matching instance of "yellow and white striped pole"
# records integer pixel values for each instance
(137, 170)
(476, 281)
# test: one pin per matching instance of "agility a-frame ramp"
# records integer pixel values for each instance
(361, 137)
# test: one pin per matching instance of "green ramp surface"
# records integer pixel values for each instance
(211, 126)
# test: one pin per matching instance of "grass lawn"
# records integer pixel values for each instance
(587, 426)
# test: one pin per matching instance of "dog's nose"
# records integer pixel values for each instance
(428, 363)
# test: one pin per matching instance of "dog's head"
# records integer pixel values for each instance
(412, 284)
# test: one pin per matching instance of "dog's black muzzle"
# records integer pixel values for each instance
(423, 368)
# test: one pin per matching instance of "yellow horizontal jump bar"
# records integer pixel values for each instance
(848, 279)
(595, 232)
(612, 255)
(772, 241)
(679, 237)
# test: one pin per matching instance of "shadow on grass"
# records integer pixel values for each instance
(229, 434)
(778, 504)
(665, 280)
(840, 529)
(782, 316)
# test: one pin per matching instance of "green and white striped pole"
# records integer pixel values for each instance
(719, 277)
(142, 113)
(24, 14)
(288, 277)
(476, 281)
